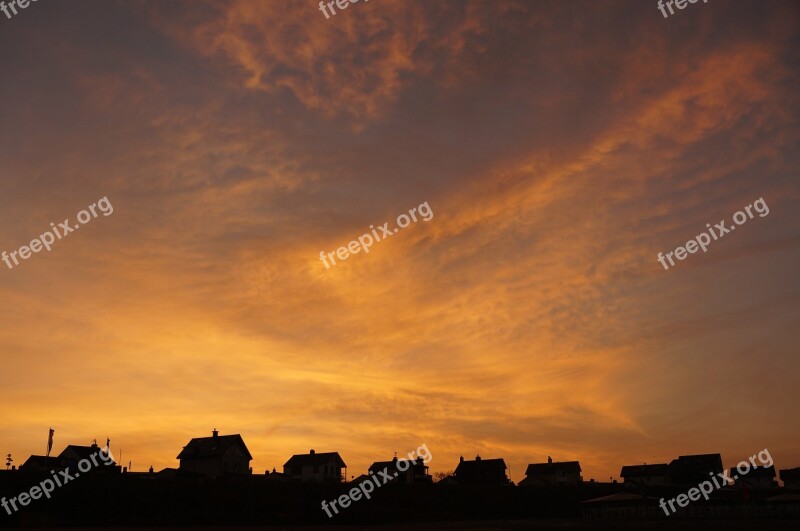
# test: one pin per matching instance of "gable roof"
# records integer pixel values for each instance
(81, 452)
(480, 468)
(315, 459)
(380, 465)
(541, 469)
(683, 468)
(208, 447)
(688, 469)
(40, 461)
(699, 462)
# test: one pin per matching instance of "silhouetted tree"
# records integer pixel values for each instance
(438, 476)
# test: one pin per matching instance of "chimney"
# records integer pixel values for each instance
(461, 459)
(549, 460)
(312, 451)
(215, 433)
(477, 458)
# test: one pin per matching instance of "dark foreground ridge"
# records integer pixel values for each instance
(143, 499)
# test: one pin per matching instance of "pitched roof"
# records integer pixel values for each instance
(537, 469)
(699, 462)
(206, 447)
(690, 468)
(40, 461)
(82, 452)
(636, 471)
(481, 470)
(380, 465)
(314, 458)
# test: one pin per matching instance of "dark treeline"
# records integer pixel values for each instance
(144, 500)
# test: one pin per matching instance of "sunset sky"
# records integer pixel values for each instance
(561, 145)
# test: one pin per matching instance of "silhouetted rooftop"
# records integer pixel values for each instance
(215, 446)
(40, 461)
(694, 468)
(482, 471)
(380, 465)
(548, 468)
(81, 452)
(315, 458)
(761, 472)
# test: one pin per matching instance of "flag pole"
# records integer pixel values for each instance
(49, 446)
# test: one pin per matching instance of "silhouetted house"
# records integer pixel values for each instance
(694, 469)
(550, 473)
(275, 475)
(72, 455)
(482, 472)
(218, 455)
(41, 463)
(758, 478)
(324, 467)
(645, 475)
(415, 471)
(791, 478)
